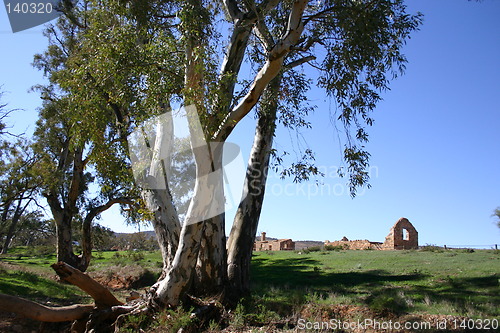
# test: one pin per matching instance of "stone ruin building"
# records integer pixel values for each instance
(273, 244)
(402, 236)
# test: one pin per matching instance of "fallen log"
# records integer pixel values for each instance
(102, 296)
(33, 310)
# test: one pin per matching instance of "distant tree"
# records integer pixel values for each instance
(34, 230)
(67, 172)
(103, 238)
(80, 179)
(4, 113)
(497, 214)
(19, 189)
(18, 185)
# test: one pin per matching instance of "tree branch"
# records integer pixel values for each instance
(101, 295)
(270, 69)
(232, 9)
(33, 310)
(299, 62)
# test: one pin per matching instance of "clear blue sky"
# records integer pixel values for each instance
(434, 144)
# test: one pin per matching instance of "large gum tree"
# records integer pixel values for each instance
(221, 60)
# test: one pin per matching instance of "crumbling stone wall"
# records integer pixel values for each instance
(273, 245)
(396, 241)
(358, 244)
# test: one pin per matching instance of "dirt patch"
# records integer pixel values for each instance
(124, 277)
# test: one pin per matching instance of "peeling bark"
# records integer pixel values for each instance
(165, 222)
(242, 236)
(207, 198)
(211, 271)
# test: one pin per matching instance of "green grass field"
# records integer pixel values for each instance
(453, 282)
(289, 285)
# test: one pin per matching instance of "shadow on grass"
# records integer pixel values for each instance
(32, 286)
(306, 272)
(378, 289)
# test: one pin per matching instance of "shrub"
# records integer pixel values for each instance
(175, 320)
(389, 302)
(135, 255)
(135, 323)
(314, 248)
(44, 250)
(253, 314)
(431, 248)
(238, 319)
(99, 255)
(334, 248)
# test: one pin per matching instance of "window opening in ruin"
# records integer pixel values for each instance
(406, 235)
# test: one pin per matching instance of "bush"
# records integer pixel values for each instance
(252, 314)
(44, 250)
(135, 323)
(388, 302)
(334, 248)
(175, 320)
(431, 248)
(135, 255)
(238, 319)
(314, 248)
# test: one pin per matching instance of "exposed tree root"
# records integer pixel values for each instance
(36, 311)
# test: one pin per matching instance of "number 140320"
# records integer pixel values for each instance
(29, 8)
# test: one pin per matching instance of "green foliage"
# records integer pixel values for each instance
(127, 63)
(431, 248)
(363, 43)
(213, 326)
(238, 318)
(19, 188)
(135, 323)
(334, 248)
(313, 249)
(496, 213)
(174, 320)
(170, 321)
(135, 255)
(35, 231)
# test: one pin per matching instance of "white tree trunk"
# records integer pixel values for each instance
(208, 198)
(246, 221)
(165, 222)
